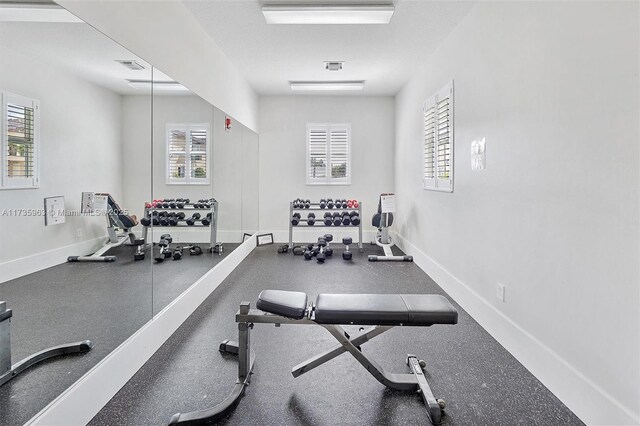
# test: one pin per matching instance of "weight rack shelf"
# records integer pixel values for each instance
(213, 238)
(322, 225)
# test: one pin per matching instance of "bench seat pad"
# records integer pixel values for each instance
(385, 309)
(289, 304)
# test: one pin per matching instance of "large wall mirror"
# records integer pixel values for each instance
(113, 165)
(67, 178)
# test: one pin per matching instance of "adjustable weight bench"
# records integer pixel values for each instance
(382, 311)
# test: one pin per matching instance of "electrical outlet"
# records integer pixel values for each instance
(79, 232)
(501, 290)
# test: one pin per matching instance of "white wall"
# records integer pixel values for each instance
(553, 86)
(80, 151)
(165, 34)
(283, 121)
(250, 182)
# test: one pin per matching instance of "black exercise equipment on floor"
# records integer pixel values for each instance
(382, 311)
(9, 371)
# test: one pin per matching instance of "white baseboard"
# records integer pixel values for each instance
(301, 235)
(588, 401)
(17, 268)
(83, 400)
(197, 235)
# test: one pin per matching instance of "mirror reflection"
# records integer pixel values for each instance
(69, 211)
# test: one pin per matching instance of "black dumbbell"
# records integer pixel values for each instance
(328, 221)
(177, 253)
(346, 220)
(154, 213)
(337, 221)
(323, 204)
(192, 220)
(145, 221)
(164, 221)
(205, 221)
(179, 215)
(330, 203)
(295, 219)
(347, 254)
(355, 220)
(307, 204)
(311, 219)
(155, 221)
(344, 204)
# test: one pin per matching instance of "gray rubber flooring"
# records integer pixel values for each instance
(103, 302)
(480, 381)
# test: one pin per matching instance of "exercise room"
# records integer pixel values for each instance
(405, 212)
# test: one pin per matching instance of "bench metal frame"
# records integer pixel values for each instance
(246, 318)
(8, 371)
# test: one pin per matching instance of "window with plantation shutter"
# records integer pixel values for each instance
(328, 154)
(438, 140)
(188, 154)
(20, 138)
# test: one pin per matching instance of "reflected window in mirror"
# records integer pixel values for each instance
(187, 153)
(20, 136)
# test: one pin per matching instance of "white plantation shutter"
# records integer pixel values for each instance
(438, 140)
(328, 154)
(339, 151)
(429, 144)
(317, 154)
(20, 149)
(188, 154)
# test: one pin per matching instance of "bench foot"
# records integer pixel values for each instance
(435, 406)
(66, 349)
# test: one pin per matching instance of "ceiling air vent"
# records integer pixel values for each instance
(132, 65)
(333, 65)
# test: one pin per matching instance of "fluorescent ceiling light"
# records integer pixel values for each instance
(328, 14)
(157, 85)
(326, 85)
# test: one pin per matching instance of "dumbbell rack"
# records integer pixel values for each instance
(316, 207)
(213, 242)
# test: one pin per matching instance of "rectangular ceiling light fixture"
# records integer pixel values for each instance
(157, 85)
(328, 14)
(326, 85)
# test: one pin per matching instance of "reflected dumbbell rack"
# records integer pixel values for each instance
(185, 214)
(315, 207)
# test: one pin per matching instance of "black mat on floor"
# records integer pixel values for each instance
(481, 382)
(103, 302)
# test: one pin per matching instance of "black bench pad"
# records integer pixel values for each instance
(289, 304)
(384, 309)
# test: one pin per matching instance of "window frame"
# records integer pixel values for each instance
(7, 182)
(328, 180)
(436, 183)
(187, 128)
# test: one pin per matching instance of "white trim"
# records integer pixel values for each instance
(17, 268)
(198, 235)
(592, 404)
(78, 404)
(302, 234)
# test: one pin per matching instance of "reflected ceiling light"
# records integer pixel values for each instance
(328, 14)
(326, 85)
(157, 85)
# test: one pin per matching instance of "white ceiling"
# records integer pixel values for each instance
(269, 56)
(81, 50)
